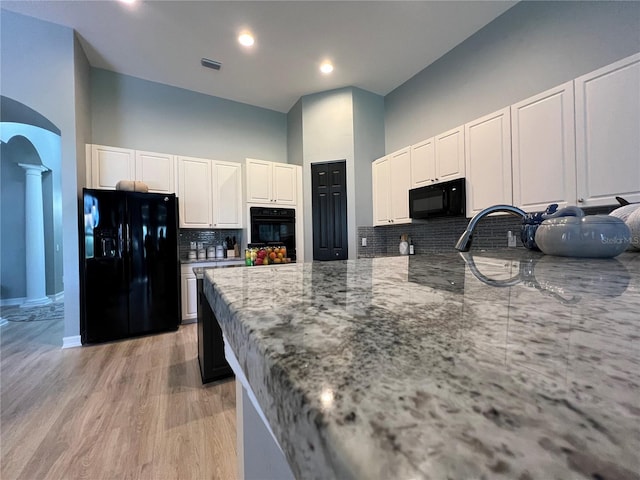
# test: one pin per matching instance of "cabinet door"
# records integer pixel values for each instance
(400, 183)
(284, 184)
(423, 163)
(157, 170)
(194, 191)
(109, 165)
(381, 191)
(227, 194)
(607, 133)
(488, 161)
(189, 297)
(543, 150)
(450, 155)
(259, 181)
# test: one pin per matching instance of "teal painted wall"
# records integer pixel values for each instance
(133, 113)
(38, 69)
(530, 48)
(294, 134)
(368, 140)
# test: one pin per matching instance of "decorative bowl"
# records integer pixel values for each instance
(591, 236)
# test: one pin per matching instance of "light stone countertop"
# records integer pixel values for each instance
(505, 364)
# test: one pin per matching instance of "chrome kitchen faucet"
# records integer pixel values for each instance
(464, 242)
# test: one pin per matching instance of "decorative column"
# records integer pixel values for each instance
(34, 237)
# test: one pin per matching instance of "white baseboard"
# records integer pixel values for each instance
(71, 342)
(9, 302)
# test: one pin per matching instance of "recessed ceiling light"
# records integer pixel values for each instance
(246, 39)
(326, 67)
(128, 1)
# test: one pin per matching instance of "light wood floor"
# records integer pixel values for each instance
(133, 409)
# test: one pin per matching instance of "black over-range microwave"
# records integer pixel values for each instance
(446, 199)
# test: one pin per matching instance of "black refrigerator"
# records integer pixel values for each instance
(130, 270)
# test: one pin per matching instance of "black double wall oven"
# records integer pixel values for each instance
(274, 226)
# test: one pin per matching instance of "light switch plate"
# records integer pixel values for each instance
(364, 241)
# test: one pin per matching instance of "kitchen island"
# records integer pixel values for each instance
(505, 364)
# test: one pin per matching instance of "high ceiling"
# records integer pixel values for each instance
(374, 45)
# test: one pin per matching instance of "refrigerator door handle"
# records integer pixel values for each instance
(120, 240)
(127, 240)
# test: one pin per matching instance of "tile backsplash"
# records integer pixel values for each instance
(441, 234)
(209, 237)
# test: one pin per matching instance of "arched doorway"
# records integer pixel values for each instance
(31, 214)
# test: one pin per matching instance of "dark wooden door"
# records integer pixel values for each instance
(329, 204)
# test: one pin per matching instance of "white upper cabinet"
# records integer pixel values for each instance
(488, 161)
(608, 133)
(438, 159)
(381, 191)
(227, 194)
(259, 181)
(271, 182)
(450, 160)
(194, 192)
(423, 163)
(400, 183)
(210, 193)
(109, 165)
(543, 152)
(391, 183)
(284, 184)
(157, 170)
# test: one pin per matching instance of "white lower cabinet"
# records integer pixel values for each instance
(488, 161)
(543, 153)
(608, 134)
(189, 286)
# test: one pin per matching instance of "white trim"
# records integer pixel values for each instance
(237, 370)
(70, 342)
(10, 302)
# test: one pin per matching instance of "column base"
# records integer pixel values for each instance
(36, 302)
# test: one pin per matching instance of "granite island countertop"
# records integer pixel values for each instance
(506, 364)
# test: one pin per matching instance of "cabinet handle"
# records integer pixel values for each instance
(580, 200)
(436, 179)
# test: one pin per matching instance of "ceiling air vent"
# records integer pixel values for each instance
(205, 62)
